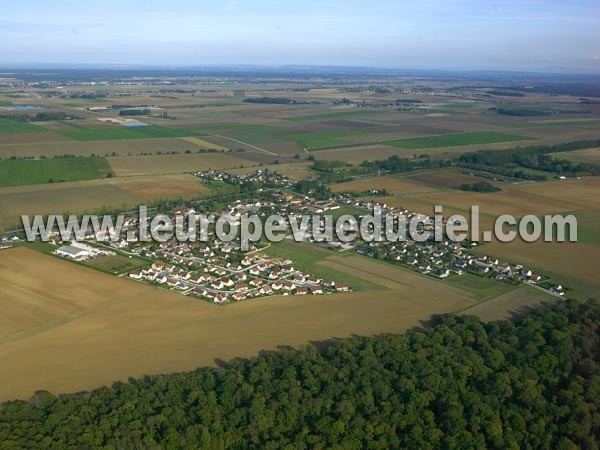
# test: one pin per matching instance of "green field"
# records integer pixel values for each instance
(454, 139)
(204, 105)
(571, 123)
(26, 171)
(348, 210)
(107, 134)
(556, 123)
(324, 138)
(588, 226)
(460, 105)
(483, 288)
(12, 126)
(331, 115)
(308, 256)
(237, 127)
(117, 263)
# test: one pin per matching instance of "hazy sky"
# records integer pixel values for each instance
(547, 35)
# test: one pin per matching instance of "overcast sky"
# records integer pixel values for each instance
(547, 35)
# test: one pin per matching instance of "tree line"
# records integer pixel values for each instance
(460, 383)
(536, 157)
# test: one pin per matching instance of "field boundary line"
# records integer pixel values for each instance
(521, 286)
(249, 145)
(374, 273)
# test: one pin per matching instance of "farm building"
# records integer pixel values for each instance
(68, 251)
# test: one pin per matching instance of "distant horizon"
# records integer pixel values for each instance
(535, 36)
(299, 67)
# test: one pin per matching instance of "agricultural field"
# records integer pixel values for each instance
(8, 126)
(75, 291)
(315, 259)
(394, 185)
(324, 138)
(204, 144)
(159, 187)
(125, 166)
(446, 179)
(296, 170)
(84, 336)
(572, 264)
(517, 199)
(392, 276)
(333, 115)
(482, 288)
(90, 196)
(23, 171)
(358, 154)
(456, 139)
(510, 305)
(83, 327)
(48, 146)
(57, 198)
(118, 133)
(588, 155)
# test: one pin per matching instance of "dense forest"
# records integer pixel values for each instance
(459, 383)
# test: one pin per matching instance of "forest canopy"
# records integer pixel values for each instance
(460, 383)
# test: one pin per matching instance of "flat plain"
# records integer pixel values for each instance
(85, 336)
(66, 327)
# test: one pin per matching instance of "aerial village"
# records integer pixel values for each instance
(220, 272)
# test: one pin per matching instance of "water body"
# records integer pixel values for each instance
(140, 108)
(135, 124)
(23, 108)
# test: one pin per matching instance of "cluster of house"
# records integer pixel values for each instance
(220, 273)
(443, 258)
(5, 242)
(282, 202)
(266, 178)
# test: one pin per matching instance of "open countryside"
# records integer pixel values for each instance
(189, 332)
